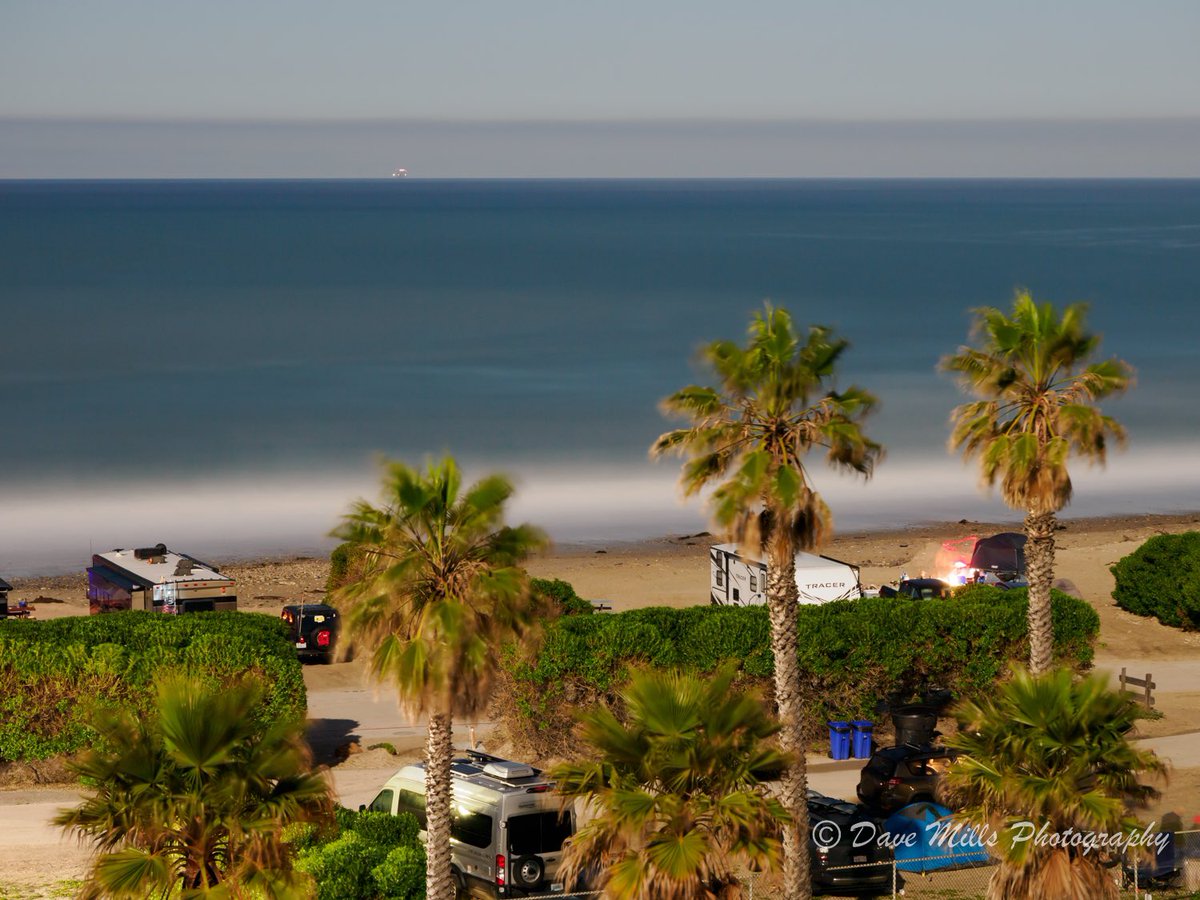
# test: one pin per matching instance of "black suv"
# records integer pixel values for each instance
(847, 858)
(314, 628)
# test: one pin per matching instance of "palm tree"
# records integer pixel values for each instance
(751, 437)
(1036, 408)
(193, 799)
(677, 789)
(438, 594)
(1048, 749)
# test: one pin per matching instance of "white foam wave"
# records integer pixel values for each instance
(54, 528)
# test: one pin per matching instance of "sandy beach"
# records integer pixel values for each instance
(670, 571)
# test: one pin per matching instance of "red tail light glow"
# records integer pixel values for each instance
(499, 868)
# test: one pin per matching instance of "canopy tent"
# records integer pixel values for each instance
(928, 840)
(1004, 552)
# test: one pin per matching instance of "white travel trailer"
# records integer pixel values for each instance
(158, 579)
(739, 579)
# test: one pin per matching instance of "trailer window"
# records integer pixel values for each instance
(720, 578)
(542, 832)
(414, 804)
(472, 828)
(382, 803)
(753, 582)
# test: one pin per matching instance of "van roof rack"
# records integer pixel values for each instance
(499, 768)
(480, 756)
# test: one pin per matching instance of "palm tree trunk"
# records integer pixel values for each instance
(781, 605)
(439, 883)
(1039, 570)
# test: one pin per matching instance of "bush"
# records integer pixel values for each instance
(54, 673)
(561, 596)
(365, 856)
(345, 565)
(1161, 578)
(402, 873)
(852, 653)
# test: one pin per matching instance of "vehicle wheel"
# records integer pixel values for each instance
(460, 887)
(528, 871)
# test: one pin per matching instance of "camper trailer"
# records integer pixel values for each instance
(739, 579)
(157, 579)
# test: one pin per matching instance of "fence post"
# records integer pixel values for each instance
(1122, 679)
(1149, 700)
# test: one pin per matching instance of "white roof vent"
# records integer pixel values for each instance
(507, 771)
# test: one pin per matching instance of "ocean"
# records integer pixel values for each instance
(220, 365)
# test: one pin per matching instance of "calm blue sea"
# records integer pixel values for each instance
(218, 365)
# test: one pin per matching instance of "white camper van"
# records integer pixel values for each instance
(507, 832)
(739, 579)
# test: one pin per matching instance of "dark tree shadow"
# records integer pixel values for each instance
(325, 736)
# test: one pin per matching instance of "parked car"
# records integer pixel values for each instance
(315, 628)
(897, 776)
(854, 864)
(918, 589)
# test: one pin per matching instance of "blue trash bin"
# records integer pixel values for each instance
(839, 740)
(860, 738)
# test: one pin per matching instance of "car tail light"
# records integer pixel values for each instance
(322, 638)
(500, 868)
(892, 782)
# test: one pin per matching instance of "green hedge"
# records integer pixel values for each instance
(561, 596)
(1161, 578)
(852, 654)
(364, 856)
(345, 565)
(53, 673)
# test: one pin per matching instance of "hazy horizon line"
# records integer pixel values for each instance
(1014, 179)
(556, 122)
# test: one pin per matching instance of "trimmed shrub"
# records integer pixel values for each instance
(54, 673)
(402, 873)
(345, 565)
(561, 596)
(365, 856)
(852, 653)
(1161, 578)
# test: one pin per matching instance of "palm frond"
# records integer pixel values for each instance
(677, 785)
(1036, 400)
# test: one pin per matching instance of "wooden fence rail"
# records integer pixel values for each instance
(1147, 685)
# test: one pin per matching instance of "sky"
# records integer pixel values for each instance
(134, 88)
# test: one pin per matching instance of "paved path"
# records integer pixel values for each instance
(1181, 750)
(1170, 675)
(337, 717)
